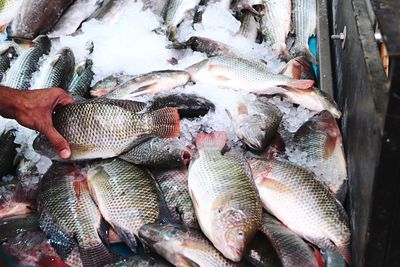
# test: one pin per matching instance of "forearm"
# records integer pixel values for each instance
(9, 99)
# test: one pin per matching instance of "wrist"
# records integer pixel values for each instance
(10, 102)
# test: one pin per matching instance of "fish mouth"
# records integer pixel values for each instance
(234, 254)
(186, 156)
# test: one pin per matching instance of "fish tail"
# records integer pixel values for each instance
(215, 140)
(166, 122)
(344, 250)
(96, 255)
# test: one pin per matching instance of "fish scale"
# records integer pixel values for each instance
(7, 53)
(82, 78)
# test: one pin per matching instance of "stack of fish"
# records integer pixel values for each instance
(146, 163)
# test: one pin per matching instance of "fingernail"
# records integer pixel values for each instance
(65, 153)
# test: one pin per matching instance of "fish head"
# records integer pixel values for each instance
(251, 129)
(42, 146)
(44, 42)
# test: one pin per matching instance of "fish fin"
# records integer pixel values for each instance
(263, 180)
(330, 144)
(302, 84)
(147, 89)
(184, 261)
(134, 106)
(345, 252)
(126, 236)
(80, 186)
(216, 140)
(54, 61)
(222, 78)
(103, 231)
(194, 200)
(95, 255)
(166, 122)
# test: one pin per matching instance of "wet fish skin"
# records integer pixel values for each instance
(146, 260)
(250, 26)
(20, 74)
(104, 128)
(7, 53)
(292, 250)
(261, 253)
(58, 70)
(182, 247)
(174, 186)
(8, 152)
(299, 68)
(10, 205)
(158, 152)
(226, 202)
(69, 217)
(320, 138)
(82, 78)
(204, 45)
(126, 196)
(108, 84)
(152, 82)
(303, 204)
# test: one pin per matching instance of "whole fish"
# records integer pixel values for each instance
(8, 152)
(299, 68)
(204, 45)
(174, 186)
(7, 53)
(303, 204)
(255, 122)
(250, 26)
(126, 196)
(188, 105)
(107, 128)
(182, 247)
(8, 11)
(20, 74)
(177, 10)
(159, 152)
(320, 138)
(108, 84)
(37, 17)
(58, 70)
(82, 78)
(305, 20)
(292, 250)
(153, 82)
(276, 23)
(226, 201)
(261, 253)
(146, 260)
(68, 215)
(253, 76)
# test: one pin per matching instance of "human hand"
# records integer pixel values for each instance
(34, 109)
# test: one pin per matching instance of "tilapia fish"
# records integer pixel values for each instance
(226, 201)
(146, 260)
(7, 53)
(58, 70)
(292, 250)
(82, 78)
(37, 17)
(204, 45)
(255, 122)
(20, 74)
(126, 196)
(174, 186)
(8, 152)
(305, 20)
(299, 68)
(320, 138)
(303, 204)
(250, 26)
(188, 105)
(153, 82)
(104, 128)
(159, 152)
(261, 253)
(182, 247)
(69, 217)
(276, 23)
(253, 76)
(108, 84)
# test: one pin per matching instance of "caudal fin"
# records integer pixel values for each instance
(95, 255)
(166, 122)
(215, 140)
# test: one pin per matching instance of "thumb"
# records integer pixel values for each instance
(58, 142)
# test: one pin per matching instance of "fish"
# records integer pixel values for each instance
(77, 13)
(146, 260)
(305, 20)
(292, 250)
(226, 201)
(36, 17)
(188, 105)
(276, 24)
(69, 217)
(253, 76)
(261, 252)
(204, 45)
(255, 122)
(294, 195)
(7, 53)
(82, 78)
(182, 247)
(108, 84)
(320, 139)
(58, 70)
(8, 152)
(8, 11)
(153, 82)
(177, 10)
(174, 186)
(126, 196)
(250, 26)
(20, 74)
(299, 68)
(274, 150)
(159, 152)
(104, 128)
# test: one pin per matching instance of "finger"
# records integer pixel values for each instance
(58, 142)
(63, 98)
